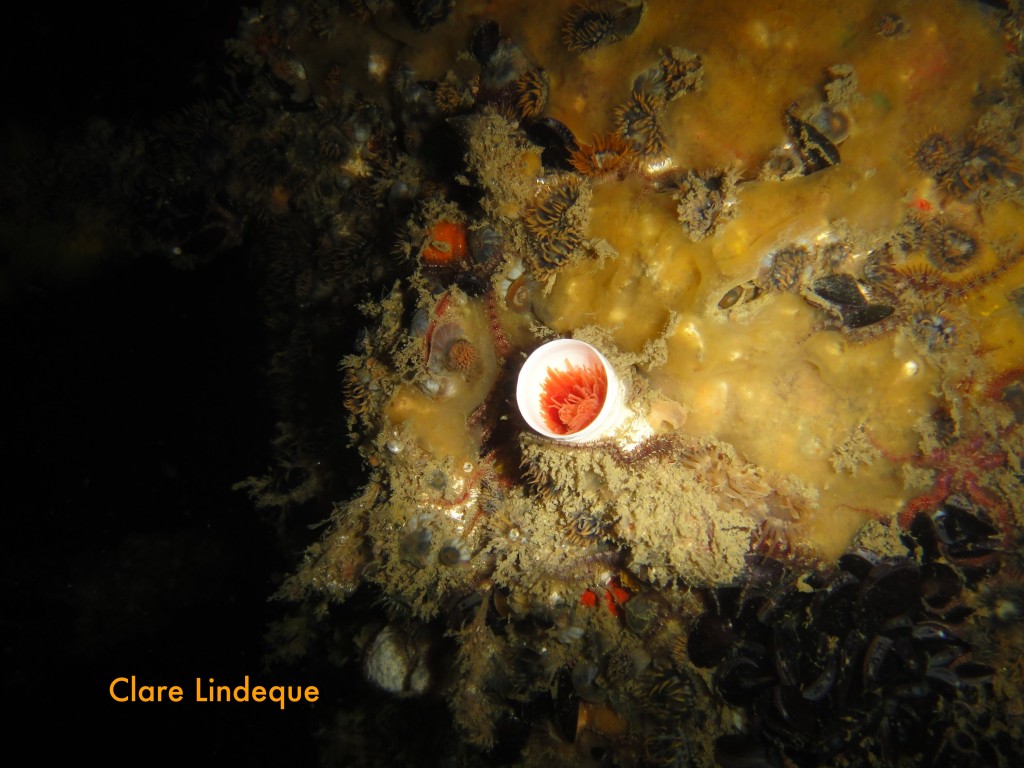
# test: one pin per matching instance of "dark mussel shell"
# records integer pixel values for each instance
(424, 15)
(742, 678)
(567, 706)
(962, 532)
(846, 298)
(940, 585)
(869, 314)
(869, 649)
(841, 289)
(485, 41)
(711, 640)
(890, 589)
(740, 751)
(817, 151)
(556, 141)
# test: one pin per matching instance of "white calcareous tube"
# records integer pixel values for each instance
(568, 391)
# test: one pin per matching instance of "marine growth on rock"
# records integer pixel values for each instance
(795, 232)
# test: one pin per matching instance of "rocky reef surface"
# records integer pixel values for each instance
(793, 229)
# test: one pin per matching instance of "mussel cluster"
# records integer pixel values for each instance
(863, 663)
(959, 533)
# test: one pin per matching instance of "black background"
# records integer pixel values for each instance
(136, 397)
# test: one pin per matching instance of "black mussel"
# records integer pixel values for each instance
(764, 571)
(741, 294)
(869, 314)
(859, 562)
(942, 679)
(817, 152)
(890, 589)
(567, 707)
(965, 532)
(906, 661)
(424, 15)
(741, 679)
(485, 41)
(786, 652)
(785, 601)
(833, 604)
(934, 635)
(957, 614)
(461, 610)
(741, 751)
(710, 640)
(789, 722)
(556, 141)
(898, 626)
(940, 584)
(472, 284)
(862, 661)
(840, 289)
(725, 601)
(973, 672)
(511, 732)
(875, 657)
(851, 651)
(945, 655)
(730, 297)
(822, 685)
(922, 534)
(915, 689)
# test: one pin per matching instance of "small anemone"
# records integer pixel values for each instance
(1002, 599)
(462, 356)
(454, 553)
(572, 398)
(444, 337)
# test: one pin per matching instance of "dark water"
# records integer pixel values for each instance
(136, 397)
